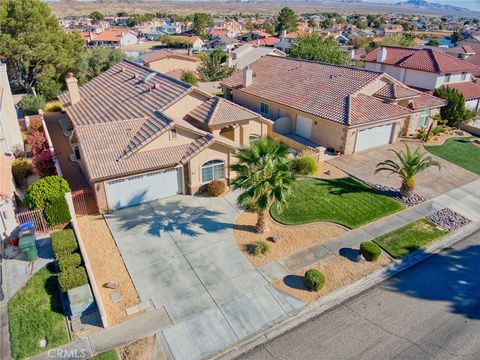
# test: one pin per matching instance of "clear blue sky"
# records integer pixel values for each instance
(469, 4)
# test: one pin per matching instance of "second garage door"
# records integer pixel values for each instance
(373, 137)
(139, 189)
(304, 127)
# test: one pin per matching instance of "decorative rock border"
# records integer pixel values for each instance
(394, 193)
(448, 219)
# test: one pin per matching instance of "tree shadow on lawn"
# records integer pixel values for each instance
(172, 216)
(344, 186)
(451, 276)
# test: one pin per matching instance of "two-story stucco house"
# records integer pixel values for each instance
(426, 69)
(143, 135)
(316, 106)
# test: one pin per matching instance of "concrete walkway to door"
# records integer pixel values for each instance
(181, 254)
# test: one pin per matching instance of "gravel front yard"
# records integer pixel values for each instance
(292, 238)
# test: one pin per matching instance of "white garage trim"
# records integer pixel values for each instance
(303, 127)
(373, 137)
(142, 188)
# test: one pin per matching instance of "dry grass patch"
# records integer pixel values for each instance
(328, 171)
(292, 238)
(139, 350)
(339, 272)
(108, 266)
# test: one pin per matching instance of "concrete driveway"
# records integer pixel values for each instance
(430, 183)
(181, 255)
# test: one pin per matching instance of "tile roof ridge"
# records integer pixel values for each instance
(105, 123)
(433, 56)
(223, 100)
(349, 108)
(216, 105)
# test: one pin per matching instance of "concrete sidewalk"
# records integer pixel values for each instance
(464, 200)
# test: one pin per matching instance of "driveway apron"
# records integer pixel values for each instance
(181, 255)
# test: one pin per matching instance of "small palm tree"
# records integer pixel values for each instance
(409, 165)
(265, 175)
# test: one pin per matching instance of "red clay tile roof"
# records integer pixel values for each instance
(462, 49)
(113, 35)
(395, 91)
(125, 91)
(218, 111)
(315, 88)
(475, 58)
(421, 59)
(365, 109)
(469, 89)
(165, 54)
(6, 190)
(269, 41)
(426, 101)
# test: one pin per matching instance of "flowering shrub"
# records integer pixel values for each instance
(43, 164)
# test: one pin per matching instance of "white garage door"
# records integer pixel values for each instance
(304, 127)
(372, 137)
(139, 189)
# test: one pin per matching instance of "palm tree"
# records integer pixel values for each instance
(409, 165)
(265, 175)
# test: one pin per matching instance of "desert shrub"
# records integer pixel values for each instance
(422, 134)
(31, 104)
(39, 193)
(56, 211)
(305, 165)
(260, 247)
(53, 106)
(72, 278)
(439, 129)
(69, 261)
(63, 243)
(21, 169)
(189, 77)
(370, 250)
(216, 188)
(313, 280)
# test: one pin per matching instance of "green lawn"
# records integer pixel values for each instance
(409, 238)
(343, 201)
(109, 355)
(34, 313)
(459, 151)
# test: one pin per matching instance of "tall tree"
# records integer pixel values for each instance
(37, 51)
(399, 40)
(96, 16)
(95, 61)
(318, 48)
(409, 164)
(287, 20)
(265, 176)
(455, 112)
(212, 68)
(456, 37)
(201, 22)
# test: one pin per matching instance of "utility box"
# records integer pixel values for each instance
(80, 300)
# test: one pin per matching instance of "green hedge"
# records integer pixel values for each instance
(69, 261)
(56, 211)
(63, 243)
(41, 192)
(72, 278)
(370, 250)
(314, 280)
(305, 165)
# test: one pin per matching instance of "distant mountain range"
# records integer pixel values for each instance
(428, 5)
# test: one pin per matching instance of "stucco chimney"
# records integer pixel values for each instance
(229, 60)
(283, 35)
(382, 54)
(247, 76)
(72, 86)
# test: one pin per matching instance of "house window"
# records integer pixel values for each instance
(464, 76)
(173, 134)
(264, 108)
(423, 119)
(213, 170)
(447, 77)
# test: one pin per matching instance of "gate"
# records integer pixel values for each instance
(84, 202)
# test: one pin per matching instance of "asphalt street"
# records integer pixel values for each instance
(431, 311)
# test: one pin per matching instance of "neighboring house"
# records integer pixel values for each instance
(7, 205)
(425, 69)
(165, 61)
(269, 41)
(318, 105)
(392, 30)
(223, 42)
(286, 41)
(222, 32)
(193, 42)
(10, 134)
(254, 35)
(249, 53)
(114, 37)
(468, 50)
(471, 93)
(144, 136)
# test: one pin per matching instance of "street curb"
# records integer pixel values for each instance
(338, 297)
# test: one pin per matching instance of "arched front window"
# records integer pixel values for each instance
(213, 170)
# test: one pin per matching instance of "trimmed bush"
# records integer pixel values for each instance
(69, 261)
(21, 169)
(31, 104)
(216, 188)
(189, 77)
(41, 192)
(53, 106)
(63, 243)
(57, 212)
(260, 247)
(440, 129)
(370, 251)
(305, 165)
(72, 278)
(314, 280)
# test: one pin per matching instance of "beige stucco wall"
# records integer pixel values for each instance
(170, 64)
(411, 126)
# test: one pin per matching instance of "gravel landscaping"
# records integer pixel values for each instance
(394, 193)
(448, 219)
